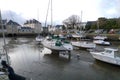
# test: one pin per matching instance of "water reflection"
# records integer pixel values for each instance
(55, 59)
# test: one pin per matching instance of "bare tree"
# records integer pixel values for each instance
(72, 21)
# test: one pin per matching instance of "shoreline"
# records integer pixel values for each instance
(111, 37)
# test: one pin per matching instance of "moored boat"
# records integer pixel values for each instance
(101, 42)
(109, 55)
(77, 42)
(99, 37)
(84, 44)
(39, 38)
(56, 44)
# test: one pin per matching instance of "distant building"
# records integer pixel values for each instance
(51, 28)
(4, 22)
(34, 24)
(25, 30)
(80, 25)
(12, 27)
(83, 24)
(59, 27)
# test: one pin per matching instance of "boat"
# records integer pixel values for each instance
(4, 57)
(84, 44)
(99, 37)
(39, 39)
(76, 41)
(109, 55)
(3, 54)
(57, 44)
(102, 42)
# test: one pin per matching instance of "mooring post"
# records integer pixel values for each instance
(69, 53)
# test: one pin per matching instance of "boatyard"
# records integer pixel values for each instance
(33, 61)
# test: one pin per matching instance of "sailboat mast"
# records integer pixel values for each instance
(4, 38)
(47, 14)
(81, 21)
(51, 15)
(81, 16)
(38, 22)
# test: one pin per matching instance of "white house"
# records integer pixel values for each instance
(25, 30)
(34, 24)
(12, 27)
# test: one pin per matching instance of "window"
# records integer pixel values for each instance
(108, 51)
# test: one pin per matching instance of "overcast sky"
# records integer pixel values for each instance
(91, 9)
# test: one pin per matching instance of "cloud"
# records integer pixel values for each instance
(110, 8)
(118, 7)
(62, 9)
(11, 15)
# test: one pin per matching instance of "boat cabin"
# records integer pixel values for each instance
(111, 52)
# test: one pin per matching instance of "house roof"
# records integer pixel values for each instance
(10, 22)
(32, 21)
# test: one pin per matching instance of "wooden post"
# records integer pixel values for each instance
(69, 55)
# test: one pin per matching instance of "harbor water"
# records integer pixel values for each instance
(33, 61)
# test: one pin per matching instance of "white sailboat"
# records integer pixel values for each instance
(38, 38)
(80, 40)
(5, 60)
(109, 55)
(55, 44)
(3, 54)
(99, 37)
(82, 44)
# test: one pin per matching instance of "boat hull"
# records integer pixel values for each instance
(84, 45)
(106, 59)
(101, 42)
(100, 37)
(51, 45)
